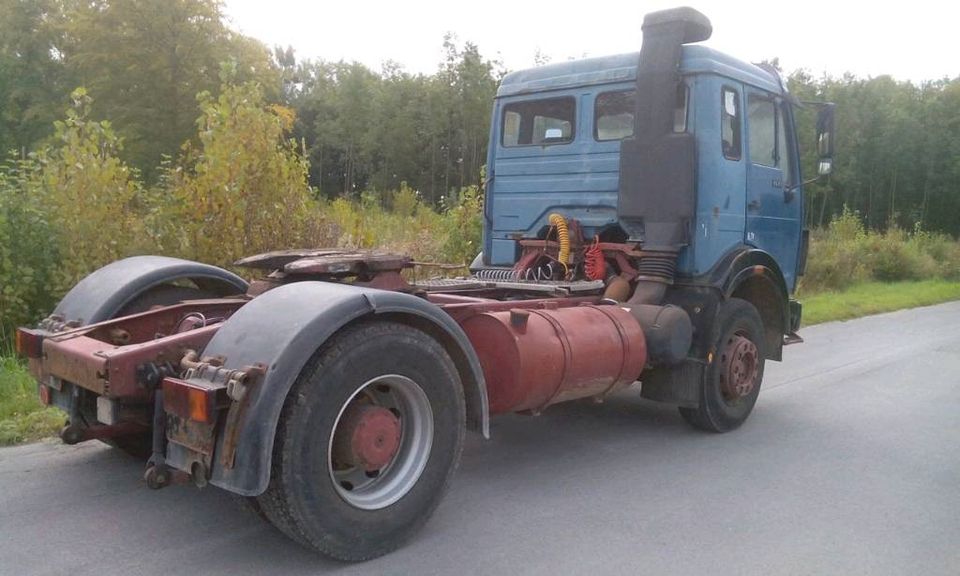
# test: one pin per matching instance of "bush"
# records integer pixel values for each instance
(74, 206)
(244, 191)
(28, 248)
(65, 210)
(463, 226)
(846, 254)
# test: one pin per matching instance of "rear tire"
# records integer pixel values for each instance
(339, 490)
(731, 382)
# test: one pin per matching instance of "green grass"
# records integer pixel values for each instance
(22, 417)
(875, 297)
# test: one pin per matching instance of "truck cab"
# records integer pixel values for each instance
(555, 146)
(687, 156)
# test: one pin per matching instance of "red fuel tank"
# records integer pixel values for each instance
(534, 358)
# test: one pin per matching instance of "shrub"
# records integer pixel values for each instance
(463, 226)
(65, 210)
(245, 190)
(28, 248)
(845, 254)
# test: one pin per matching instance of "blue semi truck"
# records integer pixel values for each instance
(642, 225)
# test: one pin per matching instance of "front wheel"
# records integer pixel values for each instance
(369, 438)
(730, 384)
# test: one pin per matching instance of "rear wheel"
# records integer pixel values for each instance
(369, 438)
(731, 382)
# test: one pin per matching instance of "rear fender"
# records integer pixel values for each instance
(282, 329)
(106, 291)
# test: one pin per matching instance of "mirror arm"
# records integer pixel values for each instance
(810, 181)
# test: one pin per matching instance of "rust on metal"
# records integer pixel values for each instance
(79, 360)
(280, 258)
(104, 432)
(557, 354)
(388, 280)
(90, 358)
(348, 263)
(197, 436)
(241, 395)
(466, 307)
(739, 367)
(367, 436)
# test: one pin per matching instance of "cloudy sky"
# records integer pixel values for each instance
(917, 40)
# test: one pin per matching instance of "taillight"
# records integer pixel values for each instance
(28, 344)
(192, 401)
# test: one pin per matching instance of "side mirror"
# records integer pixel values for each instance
(825, 138)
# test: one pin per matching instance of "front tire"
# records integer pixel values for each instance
(731, 382)
(368, 441)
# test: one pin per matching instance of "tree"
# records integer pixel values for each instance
(144, 61)
(33, 82)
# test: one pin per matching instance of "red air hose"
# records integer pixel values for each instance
(593, 262)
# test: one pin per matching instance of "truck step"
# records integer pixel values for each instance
(792, 338)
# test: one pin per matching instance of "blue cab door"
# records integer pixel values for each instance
(772, 211)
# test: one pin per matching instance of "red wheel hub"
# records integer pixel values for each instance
(739, 364)
(368, 436)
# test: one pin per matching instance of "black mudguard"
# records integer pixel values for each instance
(282, 329)
(105, 292)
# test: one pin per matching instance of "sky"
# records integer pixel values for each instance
(916, 40)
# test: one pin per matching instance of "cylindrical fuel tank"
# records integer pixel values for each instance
(534, 358)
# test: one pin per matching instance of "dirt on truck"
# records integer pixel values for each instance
(642, 223)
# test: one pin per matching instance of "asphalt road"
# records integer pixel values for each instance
(850, 464)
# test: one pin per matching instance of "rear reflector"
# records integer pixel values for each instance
(191, 401)
(44, 395)
(28, 344)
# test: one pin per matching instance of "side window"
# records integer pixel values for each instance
(539, 122)
(762, 122)
(613, 115)
(786, 146)
(730, 124)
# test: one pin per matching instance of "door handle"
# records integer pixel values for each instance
(754, 205)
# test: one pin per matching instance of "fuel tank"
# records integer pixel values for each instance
(534, 358)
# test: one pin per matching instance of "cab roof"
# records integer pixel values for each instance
(696, 59)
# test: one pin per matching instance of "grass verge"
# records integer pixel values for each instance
(875, 297)
(22, 417)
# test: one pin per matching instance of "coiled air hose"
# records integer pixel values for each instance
(563, 237)
(594, 264)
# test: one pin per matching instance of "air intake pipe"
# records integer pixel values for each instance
(658, 180)
(667, 328)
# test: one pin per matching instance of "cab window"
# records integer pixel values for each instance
(762, 120)
(730, 124)
(539, 122)
(613, 115)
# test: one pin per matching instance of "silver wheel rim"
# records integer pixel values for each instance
(375, 490)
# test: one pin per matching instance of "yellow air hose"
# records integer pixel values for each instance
(563, 237)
